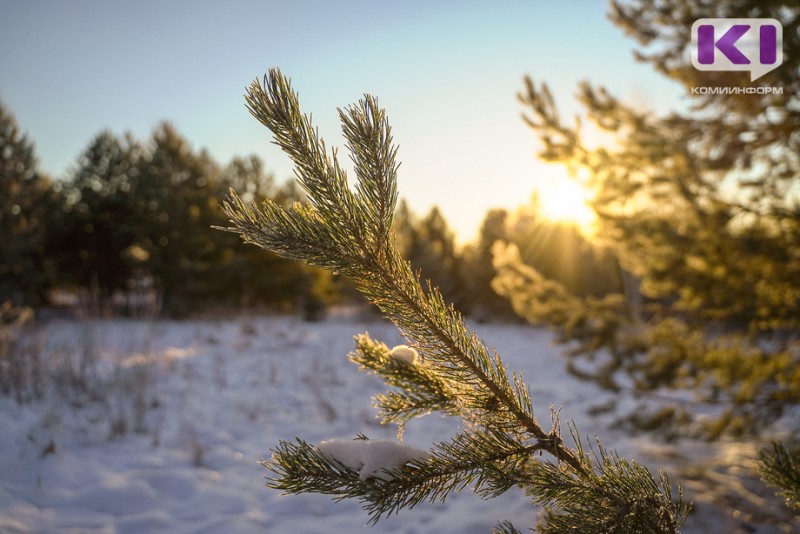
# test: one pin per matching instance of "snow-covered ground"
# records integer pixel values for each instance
(164, 432)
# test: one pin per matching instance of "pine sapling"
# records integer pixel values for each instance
(443, 367)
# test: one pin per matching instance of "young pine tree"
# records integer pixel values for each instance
(700, 205)
(447, 368)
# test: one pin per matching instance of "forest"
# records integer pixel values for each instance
(133, 222)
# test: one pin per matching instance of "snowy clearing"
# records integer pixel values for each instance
(165, 433)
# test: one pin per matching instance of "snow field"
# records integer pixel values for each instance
(192, 406)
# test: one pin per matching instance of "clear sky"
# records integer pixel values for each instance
(446, 72)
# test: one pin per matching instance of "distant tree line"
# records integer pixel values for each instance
(132, 214)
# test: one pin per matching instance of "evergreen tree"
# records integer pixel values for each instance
(95, 236)
(483, 302)
(257, 277)
(26, 200)
(702, 206)
(173, 205)
(447, 368)
(404, 224)
(429, 245)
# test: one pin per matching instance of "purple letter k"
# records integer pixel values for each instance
(726, 44)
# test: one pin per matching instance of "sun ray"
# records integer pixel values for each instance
(566, 200)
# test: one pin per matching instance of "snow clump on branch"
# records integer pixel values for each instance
(404, 353)
(371, 458)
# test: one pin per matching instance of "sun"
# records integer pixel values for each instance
(566, 200)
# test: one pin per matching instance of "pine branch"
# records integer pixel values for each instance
(339, 223)
(755, 385)
(276, 106)
(505, 527)
(442, 336)
(615, 496)
(369, 140)
(297, 233)
(456, 372)
(419, 391)
(483, 460)
(780, 467)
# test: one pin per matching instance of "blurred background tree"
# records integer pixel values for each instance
(703, 206)
(257, 278)
(26, 200)
(430, 246)
(95, 232)
(173, 213)
(131, 215)
(484, 303)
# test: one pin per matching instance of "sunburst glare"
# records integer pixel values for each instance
(567, 200)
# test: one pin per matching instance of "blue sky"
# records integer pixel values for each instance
(446, 72)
